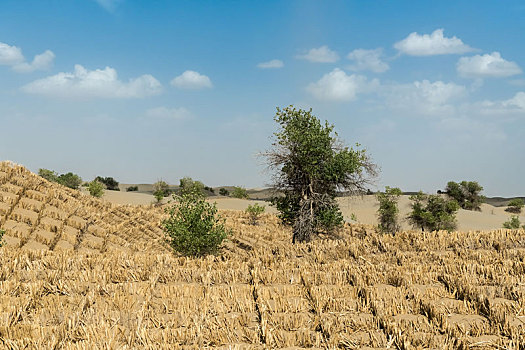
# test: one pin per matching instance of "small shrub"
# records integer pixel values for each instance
(96, 188)
(109, 182)
(159, 195)
(188, 185)
(353, 217)
(239, 192)
(132, 188)
(161, 189)
(466, 194)
(49, 175)
(224, 192)
(70, 180)
(194, 228)
(209, 189)
(2, 232)
(254, 212)
(513, 223)
(515, 206)
(433, 212)
(388, 210)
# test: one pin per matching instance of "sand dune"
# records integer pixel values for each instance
(364, 208)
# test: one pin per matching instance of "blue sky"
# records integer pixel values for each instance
(143, 90)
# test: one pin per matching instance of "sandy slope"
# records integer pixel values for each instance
(364, 208)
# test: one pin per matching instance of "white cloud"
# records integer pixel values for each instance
(12, 56)
(321, 55)
(271, 64)
(434, 44)
(367, 60)
(192, 80)
(517, 101)
(109, 5)
(338, 86)
(40, 62)
(425, 97)
(168, 113)
(486, 66)
(103, 83)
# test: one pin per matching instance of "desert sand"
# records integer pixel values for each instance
(364, 208)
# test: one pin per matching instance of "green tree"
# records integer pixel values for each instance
(239, 192)
(223, 192)
(515, 206)
(194, 228)
(466, 193)
(311, 165)
(254, 212)
(49, 175)
(388, 211)
(70, 180)
(96, 188)
(188, 185)
(109, 182)
(433, 212)
(513, 223)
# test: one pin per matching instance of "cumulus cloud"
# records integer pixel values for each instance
(103, 83)
(271, 64)
(367, 60)
(338, 86)
(168, 113)
(517, 101)
(40, 62)
(425, 97)
(12, 56)
(192, 80)
(320, 55)
(487, 66)
(434, 44)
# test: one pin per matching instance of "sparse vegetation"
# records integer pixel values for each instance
(209, 189)
(513, 223)
(2, 233)
(223, 192)
(69, 180)
(239, 192)
(109, 182)
(311, 165)
(388, 211)
(96, 188)
(466, 193)
(433, 212)
(254, 212)
(132, 189)
(515, 206)
(194, 228)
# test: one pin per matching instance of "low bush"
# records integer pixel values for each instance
(513, 223)
(188, 185)
(132, 188)
(96, 188)
(224, 192)
(388, 211)
(109, 182)
(194, 228)
(433, 212)
(466, 193)
(254, 212)
(515, 206)
(69, 180)
(209, 189)
(239, 192)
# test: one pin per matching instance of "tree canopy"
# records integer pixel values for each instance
(311, 165)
